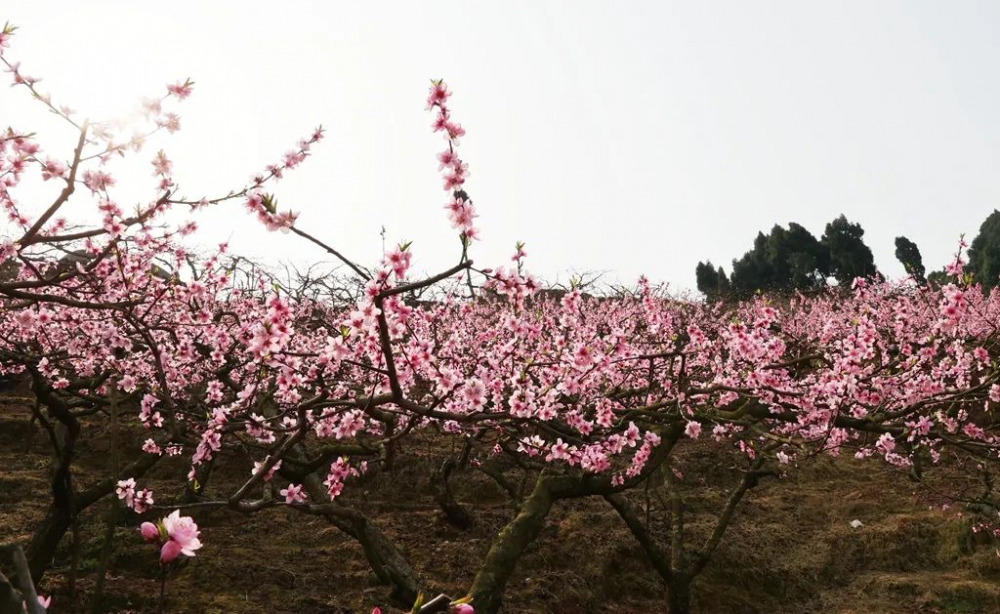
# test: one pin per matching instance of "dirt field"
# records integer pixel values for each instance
(790, 548)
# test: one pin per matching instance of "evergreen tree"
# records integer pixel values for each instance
(984, 253)
(909, 255)
(706, 278)
(723, 282)
(849, 256)
(791, 259)
(939, 278)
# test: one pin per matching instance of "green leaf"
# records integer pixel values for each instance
(419, 603)
(270, 203)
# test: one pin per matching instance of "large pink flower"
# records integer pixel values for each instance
(183, 531)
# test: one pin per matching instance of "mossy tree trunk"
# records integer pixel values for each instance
(385, 559)
(488, 587)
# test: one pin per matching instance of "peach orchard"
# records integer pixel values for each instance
(119, 323)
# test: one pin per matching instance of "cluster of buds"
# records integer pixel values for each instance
(266, 208)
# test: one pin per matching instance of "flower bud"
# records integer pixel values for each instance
(149, 532)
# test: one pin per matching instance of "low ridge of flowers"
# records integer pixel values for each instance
(458, 606)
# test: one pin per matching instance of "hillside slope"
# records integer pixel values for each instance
(790, 549)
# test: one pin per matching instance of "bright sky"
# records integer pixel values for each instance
(627, 137)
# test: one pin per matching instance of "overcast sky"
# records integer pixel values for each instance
(627, 137)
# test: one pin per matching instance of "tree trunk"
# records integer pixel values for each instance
(10, 598)
(45, 540)
(491, 580)
(679, 594)
(62, 511)
(25, 600)
(390, 446)
(453, 510)
(385, 559)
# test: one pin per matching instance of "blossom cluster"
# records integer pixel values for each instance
(140, 501)
(461, 211)
(175, 534)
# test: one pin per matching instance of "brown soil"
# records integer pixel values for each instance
(790, 548)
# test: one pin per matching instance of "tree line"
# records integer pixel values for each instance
(793, 259)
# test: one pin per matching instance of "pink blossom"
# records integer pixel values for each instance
(180, 90)
(257, 466)
(97, 181)
(53, 168)
(293, 494)
(438, 94)
(161, 164)
(170, 121)
(142, 501)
